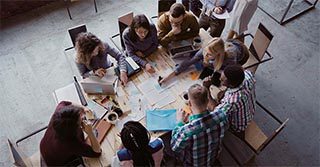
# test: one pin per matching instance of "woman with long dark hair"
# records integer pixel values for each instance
(138, 150)
(141, 40)
(64, 140)
(92, 57)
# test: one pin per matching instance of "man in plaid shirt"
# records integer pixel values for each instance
(197, 142)
(239, 99)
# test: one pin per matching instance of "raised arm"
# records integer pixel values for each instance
(165, 36)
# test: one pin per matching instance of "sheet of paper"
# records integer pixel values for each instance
(138, 105)
(224, 15)
(67, 93)
(168, 99)
(131, 89)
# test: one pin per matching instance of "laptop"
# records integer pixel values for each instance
(96, 85)
(132, 67)
(182, 49)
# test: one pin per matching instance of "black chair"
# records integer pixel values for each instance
(73, 33)
(124, 21)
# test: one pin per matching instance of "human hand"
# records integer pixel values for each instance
(207, 82)
(140, 54)
(100, 72)
(149, 68)
(218, 10)
(123, 78)
(176, 30)
(87, 127)
(182, 116)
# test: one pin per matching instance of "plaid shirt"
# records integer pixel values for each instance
(239, 103)
(197, 143)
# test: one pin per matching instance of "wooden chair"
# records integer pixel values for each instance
(255, 140)
(68, 2)
(124, 21)
(258, 48)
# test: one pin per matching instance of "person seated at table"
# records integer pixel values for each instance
(140, 40)
(92, 57)
(198, 141)
(207, 18)
(138, 150)
(216, 56)
(63, 141)
(176, 25)
(239, 98)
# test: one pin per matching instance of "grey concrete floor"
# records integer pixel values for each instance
(32, 66)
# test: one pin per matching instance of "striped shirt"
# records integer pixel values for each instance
(239, 103)
(198, 142)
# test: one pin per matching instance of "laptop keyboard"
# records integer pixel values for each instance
(181, 49)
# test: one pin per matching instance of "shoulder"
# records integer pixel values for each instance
(124, 154)
(164, 18)
(190, 16)
(126, 32)
(156, 145)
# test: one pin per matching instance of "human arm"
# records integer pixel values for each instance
(192, 29)
(165, 35)
(93, 140)
(121, 61)
(83, 70)
(180, 137)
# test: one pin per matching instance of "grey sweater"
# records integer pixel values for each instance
(147, 46)
(102, 60)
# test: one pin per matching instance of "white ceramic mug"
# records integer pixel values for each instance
(112, 117)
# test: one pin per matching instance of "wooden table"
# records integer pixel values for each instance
(163, 64)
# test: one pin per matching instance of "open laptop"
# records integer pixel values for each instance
(181, 49)
(96, 85)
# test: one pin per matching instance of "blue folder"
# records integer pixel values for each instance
(161, 119)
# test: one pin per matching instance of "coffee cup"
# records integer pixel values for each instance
(112, 117)
(197, 42)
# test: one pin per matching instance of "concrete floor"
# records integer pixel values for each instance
(32, 66)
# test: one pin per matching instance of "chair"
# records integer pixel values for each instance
(68, 2)
(124, 21)
(73, 33)
(164, 6)
(258, 48)
(283, 20)
(255, 140)
(20, 159)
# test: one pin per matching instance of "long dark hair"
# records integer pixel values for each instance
(66, 123)
(86, 42)
(137, 22)
(135, 137)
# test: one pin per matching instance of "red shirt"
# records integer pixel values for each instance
(56, 152)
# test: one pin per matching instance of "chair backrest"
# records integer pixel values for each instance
(164, 5)
(124, 21)
(74, 31)
(261, 41)
(17, 156)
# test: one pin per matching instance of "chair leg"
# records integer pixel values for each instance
(95, 5)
